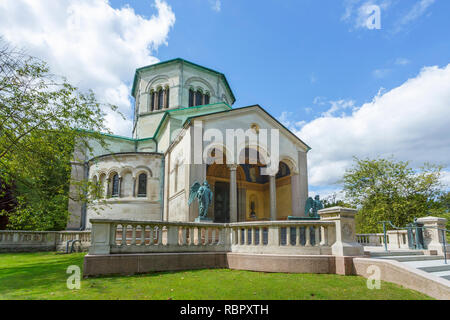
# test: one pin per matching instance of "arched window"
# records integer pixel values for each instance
(160, 99)
(191, 98)
(115, 185)
(152, 100)
(198, 98)
(142, 185)
(207, 98)
(166, 94)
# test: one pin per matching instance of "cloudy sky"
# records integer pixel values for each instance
(344, 84)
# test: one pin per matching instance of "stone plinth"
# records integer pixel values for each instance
(432, 237)
(344, 219)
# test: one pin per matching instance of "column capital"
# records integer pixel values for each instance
(233, 166)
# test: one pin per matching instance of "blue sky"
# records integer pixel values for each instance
(284, 54)
(344, 88)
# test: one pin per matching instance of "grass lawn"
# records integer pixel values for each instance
(43, 276)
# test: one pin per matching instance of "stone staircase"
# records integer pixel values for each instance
(432, 264)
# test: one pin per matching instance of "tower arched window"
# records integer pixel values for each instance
(115, 185)
(191, 98)
(160, 99)
(142, 185)
(166, 95)
(198, 98)
(207, 98)
(152, 100)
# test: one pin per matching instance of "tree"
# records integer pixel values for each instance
(332, 201)
(38, 114)
(385, 189)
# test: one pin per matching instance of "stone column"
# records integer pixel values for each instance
(344, 219)
(273, 198)
(233, 194)
(432, 237)
(303, 180)
(295, 194)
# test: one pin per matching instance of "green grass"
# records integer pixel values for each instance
(43, 276)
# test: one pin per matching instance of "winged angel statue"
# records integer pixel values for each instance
(312, 206)
(204, 196)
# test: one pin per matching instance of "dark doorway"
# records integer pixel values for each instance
(222, 202)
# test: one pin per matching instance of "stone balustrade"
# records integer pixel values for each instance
(370, 239)
(28, 241)
(283, 237)
(125, 236)
(332, 234)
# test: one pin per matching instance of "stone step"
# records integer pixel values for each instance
(442, 274)
(395, 253)
(411, 258)
(429, 266)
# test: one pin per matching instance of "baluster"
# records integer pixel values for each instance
(307, 236)
(159, 235)
(124, 235)
(288, 236)
(324, 236)
(261, 239)
(316, 236)
(297, 236)
(133, 235)
(143, 235)
(245, 237)
(112, 235)
(191, 236)
(253, 236)
(239, 236)
(184, 236)
(213, 236)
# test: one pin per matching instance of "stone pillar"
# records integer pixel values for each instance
(432, 237)
(233, 194)
(100, 238)
(344, 219)
(273, 198)
(295, 193)
(303, 181)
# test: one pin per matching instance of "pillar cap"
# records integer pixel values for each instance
(432, 219)
(337, 211)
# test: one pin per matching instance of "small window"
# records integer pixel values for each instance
(142, 185)
(166, 102)
(198, 98)
(207, 98)
(160, 99)
(191, 98)
(152, 101)
(115, 186)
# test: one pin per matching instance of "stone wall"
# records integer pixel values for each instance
(34, 241)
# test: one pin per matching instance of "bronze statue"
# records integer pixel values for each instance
(312, 206)
(204, 196)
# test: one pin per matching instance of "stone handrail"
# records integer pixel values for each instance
(290, 237)
(370, 239)
(23, 241)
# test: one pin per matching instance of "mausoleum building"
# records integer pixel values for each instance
(183, 121)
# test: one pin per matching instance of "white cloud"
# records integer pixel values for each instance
(339, 105)
(410, 122)
(381, 73)
(216, 5)
(417, 10)
(357, 12)
(92, 44)
(402, 61)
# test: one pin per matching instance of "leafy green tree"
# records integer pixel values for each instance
(332, 201)
(38, 114)
(385, 189)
